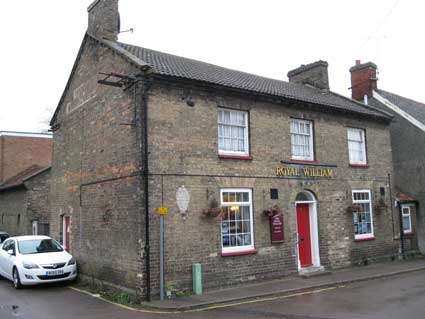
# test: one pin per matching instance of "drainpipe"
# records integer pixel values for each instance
(401, 230)
(144, 150)
(391, 204)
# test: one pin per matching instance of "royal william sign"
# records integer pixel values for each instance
(304, 172)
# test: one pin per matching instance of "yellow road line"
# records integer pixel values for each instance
(121, 305)
(246, 302)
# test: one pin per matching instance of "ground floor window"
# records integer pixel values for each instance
(362, 216)
(236, 223)
(35, 227)
(407, 219)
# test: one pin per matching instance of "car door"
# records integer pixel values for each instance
(9, 261)
(4, 256)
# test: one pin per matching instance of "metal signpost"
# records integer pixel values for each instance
(162, 211)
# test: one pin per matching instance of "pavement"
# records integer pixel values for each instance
(288, 285)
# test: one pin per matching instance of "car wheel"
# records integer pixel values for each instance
(16, 280)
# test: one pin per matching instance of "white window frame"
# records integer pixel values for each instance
(246, 135)
(403, 215)
(237, 249)
(311, 140)
(369, 201)
(363, 136)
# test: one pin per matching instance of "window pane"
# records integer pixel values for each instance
(301, 139)
(232, 131)
(362, 219)
(406, 223)
(235, 226)
(356, 145)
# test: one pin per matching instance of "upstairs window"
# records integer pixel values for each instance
(356, 146)
(233, 132)
(302, 140)
(362, 217)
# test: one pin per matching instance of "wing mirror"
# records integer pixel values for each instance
(11, 252)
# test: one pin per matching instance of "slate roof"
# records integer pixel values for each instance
(184, 68)
(413, 108)
(19, 179)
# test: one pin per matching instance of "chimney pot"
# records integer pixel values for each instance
(358, 62)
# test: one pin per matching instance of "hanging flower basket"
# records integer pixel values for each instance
(274, 210)
(380, 207)
(214, 210)
(354, 208)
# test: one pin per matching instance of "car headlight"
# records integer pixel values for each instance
(72, 261)
(29, 265)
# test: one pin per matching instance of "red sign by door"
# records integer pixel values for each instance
(276, 228)
(304, 240)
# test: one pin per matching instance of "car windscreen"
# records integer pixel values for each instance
(38, 246)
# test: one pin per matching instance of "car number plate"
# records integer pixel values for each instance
(54, 272)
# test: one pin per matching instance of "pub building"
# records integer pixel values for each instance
(261, 178)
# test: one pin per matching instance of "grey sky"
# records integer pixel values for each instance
(270, 37)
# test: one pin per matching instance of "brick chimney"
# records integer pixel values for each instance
(314, 74)
(104, 19)
(363, 80)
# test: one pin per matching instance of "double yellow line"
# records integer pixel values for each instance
(246, 302)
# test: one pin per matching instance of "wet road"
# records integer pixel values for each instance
(395, 297)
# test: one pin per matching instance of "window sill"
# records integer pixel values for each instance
(239, 157)
(239, 253)
(305, 161)
(364, 239)
(359, 165)
(409, 234)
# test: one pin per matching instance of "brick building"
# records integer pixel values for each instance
(407, 141)
(227, 153)
(18, 151)
(24, 202)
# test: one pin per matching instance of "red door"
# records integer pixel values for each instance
(67, 231)
(304, 240)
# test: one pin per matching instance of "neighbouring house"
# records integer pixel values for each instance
(24, 202)
(408, 145)
(261, 178)
(19, 150)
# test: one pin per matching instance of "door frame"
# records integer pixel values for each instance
(314, 229)
(66, 235)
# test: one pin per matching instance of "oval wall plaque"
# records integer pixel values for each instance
(183, 199)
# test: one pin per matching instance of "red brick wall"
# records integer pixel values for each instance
(18, 153)
(363, 80)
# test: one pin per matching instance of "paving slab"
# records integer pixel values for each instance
(289, 285)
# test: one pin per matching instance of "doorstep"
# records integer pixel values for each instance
(288, 285)
(313, 271)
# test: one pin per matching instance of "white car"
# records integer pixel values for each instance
(32, 260)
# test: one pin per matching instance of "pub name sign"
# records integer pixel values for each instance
(306, 172)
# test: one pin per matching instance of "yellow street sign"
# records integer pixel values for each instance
(162, 210)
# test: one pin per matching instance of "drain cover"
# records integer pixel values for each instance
(9, 312)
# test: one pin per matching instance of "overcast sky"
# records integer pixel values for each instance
(270, 37)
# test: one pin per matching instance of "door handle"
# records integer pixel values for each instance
(302, 239)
